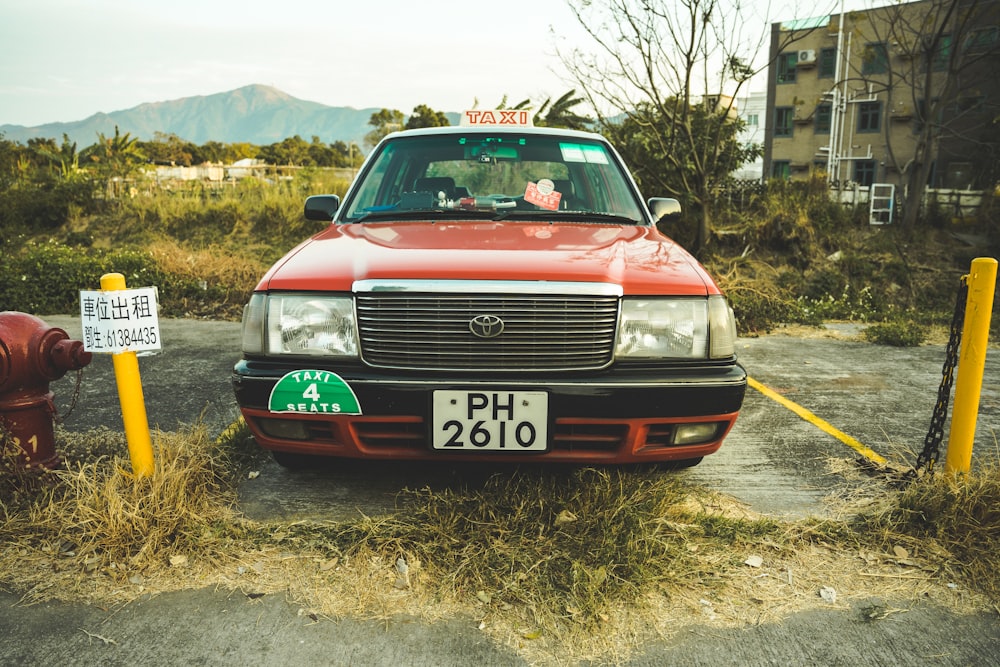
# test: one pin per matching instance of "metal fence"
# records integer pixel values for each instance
(959, 205)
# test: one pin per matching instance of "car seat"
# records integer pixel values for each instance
(569, 200)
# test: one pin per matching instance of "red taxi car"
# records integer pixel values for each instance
(491, 291)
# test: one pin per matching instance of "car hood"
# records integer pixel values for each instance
(638, 258)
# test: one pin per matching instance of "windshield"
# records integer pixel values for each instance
(503, 174)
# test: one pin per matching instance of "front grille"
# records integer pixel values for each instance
(540, 332)
(402, 433)
(578, 437)
(567, 436)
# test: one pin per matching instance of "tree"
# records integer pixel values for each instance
(12, 158)
(646, 152)
(289, 151)
(552, 114)
(424, 116)
(320, 153)
(934, 62)
(672, 70)
(215, 151)
(113, 158)
(560, 113)
(239, 150)
(65, 156)
(347, 155)
(170, 149)
(383, 122)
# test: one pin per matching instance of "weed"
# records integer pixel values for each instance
(896, 333)
(95, 516)
(553, 555)
(850, 304)
(550, 541)
(955, 518)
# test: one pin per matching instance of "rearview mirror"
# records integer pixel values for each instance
(321, 207)
(490, 150)
(664, 208)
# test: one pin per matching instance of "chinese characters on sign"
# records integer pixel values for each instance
(542, 194)
(119, 321)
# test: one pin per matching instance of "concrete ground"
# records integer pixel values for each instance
(221, 628)
(774, 462)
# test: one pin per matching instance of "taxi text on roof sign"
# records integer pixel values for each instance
(503, 117)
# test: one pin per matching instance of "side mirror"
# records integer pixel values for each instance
(664, 209)
(322, 207)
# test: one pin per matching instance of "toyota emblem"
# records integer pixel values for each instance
(486, 326)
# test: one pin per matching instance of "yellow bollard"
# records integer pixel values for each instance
(971, 363)
(126, 364)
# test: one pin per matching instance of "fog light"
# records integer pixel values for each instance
(286, 429)
(693, 434)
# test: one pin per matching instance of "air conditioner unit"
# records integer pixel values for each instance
(807, 57)
(901, 112)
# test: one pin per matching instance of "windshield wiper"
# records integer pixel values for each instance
(566, 216)
(607, 217)
(420, 214)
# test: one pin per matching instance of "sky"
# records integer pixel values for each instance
(64, 60)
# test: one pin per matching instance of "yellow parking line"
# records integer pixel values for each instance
(230, 430)
(817, 422)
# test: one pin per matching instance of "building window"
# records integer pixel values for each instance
(941, 54)
(982, 39)
(869, 116)
(970, 103)
(753, 120)
(824, 113)
(959, 176)
(864, 172)
(786, 67)
(827, 63)
(783, 118)
(875, 59)
(781, 169)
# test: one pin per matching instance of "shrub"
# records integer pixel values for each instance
(759, 312)
(31, 209)
(898, 333)
(46, 278)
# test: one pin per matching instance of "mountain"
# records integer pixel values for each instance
(256, 114)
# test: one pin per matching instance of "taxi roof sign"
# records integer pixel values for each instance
(496, 117)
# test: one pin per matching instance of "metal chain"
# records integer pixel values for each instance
(56, 417)
(932, 441)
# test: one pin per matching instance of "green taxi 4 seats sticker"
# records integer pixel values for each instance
(313, 392)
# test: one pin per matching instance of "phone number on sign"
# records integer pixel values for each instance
(133, 338)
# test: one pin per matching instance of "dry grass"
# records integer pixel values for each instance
(215, 265)
(584, 563)
(92, 527)
(954, 518)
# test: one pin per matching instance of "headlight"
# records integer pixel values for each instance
(253, 324)
(300, 324)
(676, 328)
(722, 328)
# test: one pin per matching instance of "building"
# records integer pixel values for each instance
(753, 111)
(905, 95)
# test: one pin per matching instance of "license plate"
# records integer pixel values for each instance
(514, 421)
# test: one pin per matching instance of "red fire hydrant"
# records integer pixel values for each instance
(31, 355)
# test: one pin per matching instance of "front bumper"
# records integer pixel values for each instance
(606, 417)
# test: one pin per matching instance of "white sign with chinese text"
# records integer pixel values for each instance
(120, 320)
